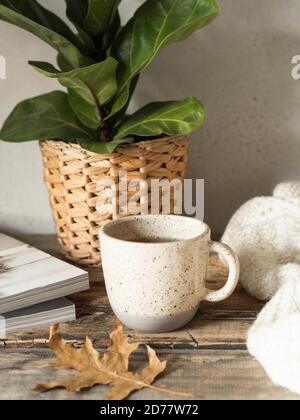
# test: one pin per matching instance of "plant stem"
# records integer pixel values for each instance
(104, 130)
(104, 133)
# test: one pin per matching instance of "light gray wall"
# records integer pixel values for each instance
(239, 67)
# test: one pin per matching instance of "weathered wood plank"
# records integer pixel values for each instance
(220, 325)
(208, 357)
(207, 375)
(214, 325)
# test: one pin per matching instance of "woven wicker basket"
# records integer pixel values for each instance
(73, 177)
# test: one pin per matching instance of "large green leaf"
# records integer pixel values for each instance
(170, 118)
(112, 31)
(39, 14)
(63, 64)
(100, 15)
(103, 148)
(84, 104)
(76, 12)
(70, 52)
(120, 102)
(89, 87)
(120, 105)
(45, 117)
(156, 24)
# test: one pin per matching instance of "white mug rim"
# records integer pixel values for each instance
(105, 234)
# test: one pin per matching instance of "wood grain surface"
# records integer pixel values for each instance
(207, 358)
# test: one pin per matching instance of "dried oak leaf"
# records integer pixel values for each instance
(110, 369)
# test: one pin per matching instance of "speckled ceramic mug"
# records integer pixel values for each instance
(155, 269)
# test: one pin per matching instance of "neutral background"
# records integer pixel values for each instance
(240, 67)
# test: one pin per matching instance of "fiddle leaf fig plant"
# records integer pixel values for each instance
(98, 65)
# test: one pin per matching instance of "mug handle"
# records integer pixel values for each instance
(234, 272)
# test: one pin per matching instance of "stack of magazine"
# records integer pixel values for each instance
(32, 287)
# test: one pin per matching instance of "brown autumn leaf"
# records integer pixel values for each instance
(110, 369)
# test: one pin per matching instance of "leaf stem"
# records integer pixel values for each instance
(169, 391)
(143, 384)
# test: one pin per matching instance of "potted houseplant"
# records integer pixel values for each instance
(85, 132)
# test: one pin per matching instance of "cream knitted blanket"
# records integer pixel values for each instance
(265, 233)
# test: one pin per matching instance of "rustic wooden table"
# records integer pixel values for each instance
(207, 358)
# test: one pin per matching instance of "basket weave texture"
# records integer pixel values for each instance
(76, 178)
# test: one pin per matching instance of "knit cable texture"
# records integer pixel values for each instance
(265, 233)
